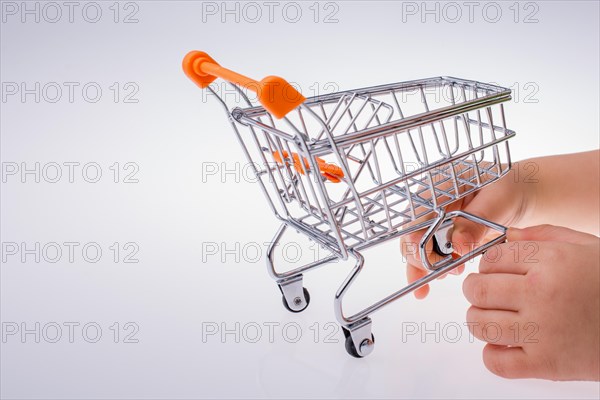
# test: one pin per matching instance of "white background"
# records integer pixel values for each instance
(173, 134)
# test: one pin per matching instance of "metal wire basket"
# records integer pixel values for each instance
(356, 168)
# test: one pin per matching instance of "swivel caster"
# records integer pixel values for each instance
(295, 297)
(366, 343)
(442, 239)
(360, 342)
(299, 303)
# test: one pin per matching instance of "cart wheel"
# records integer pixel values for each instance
(442, 249)
(351, 349)
(306, 301)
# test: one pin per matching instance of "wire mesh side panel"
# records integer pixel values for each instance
(397, 176)
(289, 181)
(282, 164)
(397, 181)
(393, 175)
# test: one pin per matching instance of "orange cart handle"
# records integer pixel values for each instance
(276, 95)
(330, 171)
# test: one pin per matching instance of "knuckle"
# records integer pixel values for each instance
(551, 370)
(494, 255)
(554, 253)
(496, 365)
(467, 285)
(533, 281)
(549, 229)
(479, 292)
(472, 318)
(484, 264)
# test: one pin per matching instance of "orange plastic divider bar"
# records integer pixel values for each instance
(330, 171)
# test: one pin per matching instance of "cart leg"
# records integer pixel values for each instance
(295, 296)
(360, 341)
(357, 328)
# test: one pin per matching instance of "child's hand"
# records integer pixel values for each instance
(505, 202)
(539, 296)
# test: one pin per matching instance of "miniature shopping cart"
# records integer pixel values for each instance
(353, 169)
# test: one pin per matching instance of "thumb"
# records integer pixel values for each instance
(548, 233)
(467, 234)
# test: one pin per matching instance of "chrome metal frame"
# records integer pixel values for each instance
(370, 129)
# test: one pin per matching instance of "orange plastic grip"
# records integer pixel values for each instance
(330, 171)
(275, 94)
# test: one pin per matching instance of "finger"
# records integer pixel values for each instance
(508, 258)
(413, 274)
(507, 362)
(493, 326)
(409, 246)
(410, 243)
(468, 234)
(455, 271)
(495, 291)
(549, 233)
(493, 204)
(458, 270)
(410, 249)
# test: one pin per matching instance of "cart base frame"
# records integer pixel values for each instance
(357, 328)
